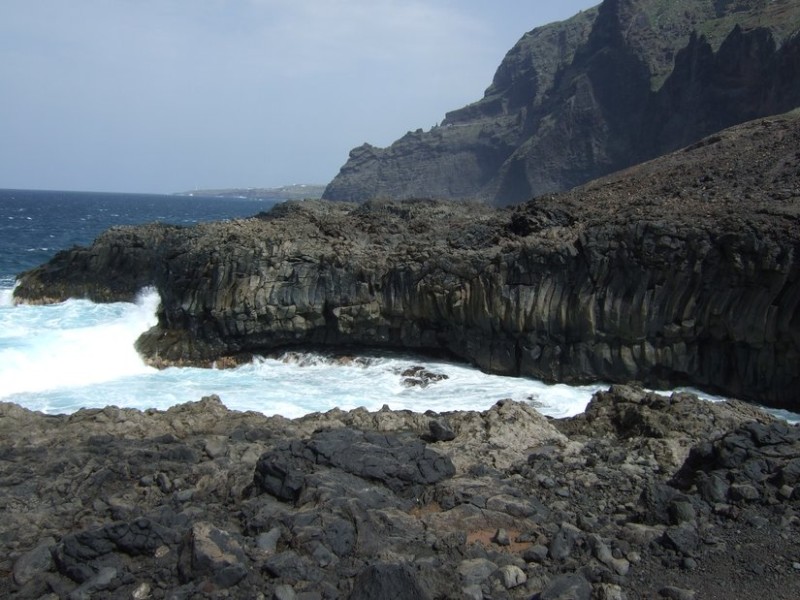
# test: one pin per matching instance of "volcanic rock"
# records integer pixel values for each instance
(419, 376)
(374, 509)
(613, 86)
(680, 271)
(388, 581)
(440, 431)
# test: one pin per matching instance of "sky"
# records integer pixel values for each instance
(163, 96)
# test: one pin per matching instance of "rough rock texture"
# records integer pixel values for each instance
(702, 501)
(611, 87)
(679, 271)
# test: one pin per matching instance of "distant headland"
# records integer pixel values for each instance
(299, 191)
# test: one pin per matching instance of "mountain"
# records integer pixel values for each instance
(613, 86)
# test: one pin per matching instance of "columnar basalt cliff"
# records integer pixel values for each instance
(680, 271)
(611, 87)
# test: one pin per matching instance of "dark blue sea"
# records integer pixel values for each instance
(35, 224)
(78, 354)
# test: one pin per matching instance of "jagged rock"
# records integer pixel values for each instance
(672, 423)
(536, 553)
(97, 583)
(77, 554)
(512, 576)
(743, 492)
(564, 541)
(292, 567)
(613, 86)
(440, 431)
(419, 376)
(475, 571)
(268, 542)
(682, 538)
(749, 464)
(401, 464)
(34, 563)
(212, 553)
(712, 488)
(599, 549)
(629, 525)
(388, 581)
(609, 591)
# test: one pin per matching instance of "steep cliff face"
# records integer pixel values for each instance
(685, 270)
(611, 87)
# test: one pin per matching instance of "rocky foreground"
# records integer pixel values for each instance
(685, 270)
(643, 496)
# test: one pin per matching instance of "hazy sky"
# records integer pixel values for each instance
(171, 95)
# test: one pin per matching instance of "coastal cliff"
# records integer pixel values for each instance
(616, 85)
(679, 271)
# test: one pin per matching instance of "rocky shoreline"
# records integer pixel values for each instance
(681, 271)
(641, 496)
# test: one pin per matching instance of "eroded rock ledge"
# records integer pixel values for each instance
(683, 270)
(643, 494)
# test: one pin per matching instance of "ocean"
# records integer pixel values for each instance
(78, 354)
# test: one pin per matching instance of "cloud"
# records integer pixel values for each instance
(167, 94)
(330, 36)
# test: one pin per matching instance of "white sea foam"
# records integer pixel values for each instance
(71, 344)
(78, 354)
(63, 357)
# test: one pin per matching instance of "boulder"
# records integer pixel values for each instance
(400, 463)
(510, 508)
(211, 553)
(441, 431)
(34, 563)
(80, 555)
(388, 581)
(750, 464)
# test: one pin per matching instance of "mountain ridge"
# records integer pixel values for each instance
(615, 85)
